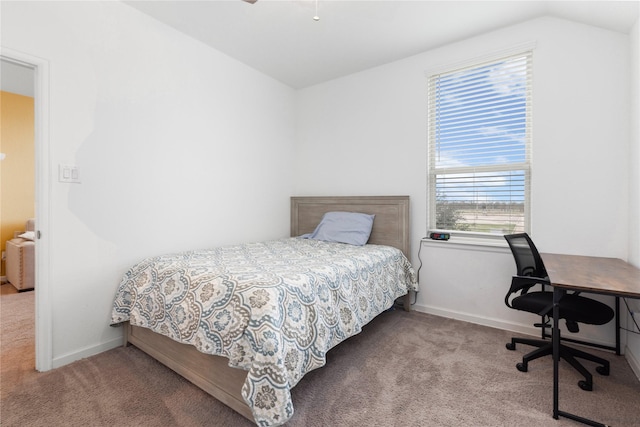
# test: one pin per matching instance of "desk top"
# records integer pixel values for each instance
(593, 274)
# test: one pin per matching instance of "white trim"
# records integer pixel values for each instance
(478, 320)
(633, 362)
(520, 328)
(475, 242)
(487, 57)
(43, 309)
(68, 358)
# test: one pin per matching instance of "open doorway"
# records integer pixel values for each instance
(24, 195)
(17, 176)
(17, 220)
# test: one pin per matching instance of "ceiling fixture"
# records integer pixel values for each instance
(315, 17)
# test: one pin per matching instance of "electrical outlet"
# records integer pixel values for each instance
(4, 256)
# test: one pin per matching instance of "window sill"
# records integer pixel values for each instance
(470, 243)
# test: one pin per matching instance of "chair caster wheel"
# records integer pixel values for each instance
(585, 385)
(521, 367)
(602, 370)
(510, 346)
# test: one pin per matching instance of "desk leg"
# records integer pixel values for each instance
(555, 337)
(617, 326)
(557, 296)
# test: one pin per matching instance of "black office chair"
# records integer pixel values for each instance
(573, 308)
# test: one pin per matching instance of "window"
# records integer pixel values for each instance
(479, 147)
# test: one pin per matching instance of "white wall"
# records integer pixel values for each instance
(634, 158)
(366, 134)
(178, 147)
(633, 342)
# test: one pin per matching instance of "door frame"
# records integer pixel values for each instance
(43, 305)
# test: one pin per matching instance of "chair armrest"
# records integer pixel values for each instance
(522, 284)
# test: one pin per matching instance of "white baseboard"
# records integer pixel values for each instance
(633, 362)
(527, 329)
(86, 352)
(479, 320)
(3, 279)
(450, 314)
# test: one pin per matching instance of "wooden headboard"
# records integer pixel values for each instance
(390, 226)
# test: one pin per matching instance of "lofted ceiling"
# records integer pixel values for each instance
(281, 39)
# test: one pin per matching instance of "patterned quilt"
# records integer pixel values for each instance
(272, 308)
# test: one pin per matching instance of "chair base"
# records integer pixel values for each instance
(545, 348)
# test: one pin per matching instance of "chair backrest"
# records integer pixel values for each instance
(528, 260)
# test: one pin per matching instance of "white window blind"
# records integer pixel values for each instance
(479, 147)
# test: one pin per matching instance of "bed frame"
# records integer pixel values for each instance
(212, 373)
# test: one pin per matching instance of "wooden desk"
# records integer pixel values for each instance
(609, 276)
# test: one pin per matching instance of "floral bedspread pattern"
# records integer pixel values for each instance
(272, 308)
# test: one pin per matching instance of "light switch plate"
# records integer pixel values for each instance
(68, 173)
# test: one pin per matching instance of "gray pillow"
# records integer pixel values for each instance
(343, 227)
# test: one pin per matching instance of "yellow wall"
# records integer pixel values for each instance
(17, 170)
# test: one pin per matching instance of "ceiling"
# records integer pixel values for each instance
(16, 78)
(281, 39)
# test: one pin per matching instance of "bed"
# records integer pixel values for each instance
(246, 322)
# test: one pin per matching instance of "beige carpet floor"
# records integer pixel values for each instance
(404, 369)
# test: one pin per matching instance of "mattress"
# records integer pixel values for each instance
(272, 308)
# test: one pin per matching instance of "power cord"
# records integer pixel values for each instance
(631, 313)
(415, 293)
(420, 259)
